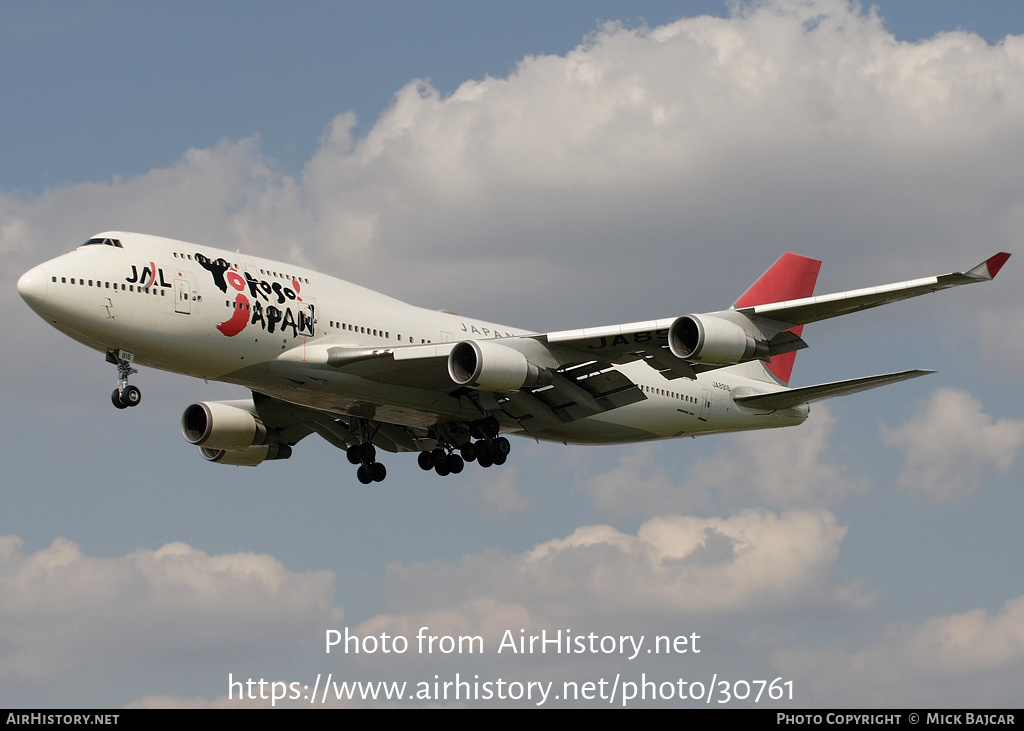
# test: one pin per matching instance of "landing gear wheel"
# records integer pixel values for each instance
(353, 454)
(443, 469)
(364, 475)
(468, 452)
(124, 395)
(131, 396)
(501, 446)
(456, 464)
(499, 459)
(368, 452)
(378, 472)
(426, 461)
(484, 460)
(490, 426)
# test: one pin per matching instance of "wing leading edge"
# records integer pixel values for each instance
(795, 396)
(772, 328)
(823, 307)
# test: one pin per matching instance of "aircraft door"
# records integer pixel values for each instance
(705, 404)
(182, 297)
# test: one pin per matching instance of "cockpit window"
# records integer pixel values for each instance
(104, 242)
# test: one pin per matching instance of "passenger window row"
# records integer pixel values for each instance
(670, 394)
(107, 285)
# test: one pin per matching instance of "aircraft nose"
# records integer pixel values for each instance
(32, 286)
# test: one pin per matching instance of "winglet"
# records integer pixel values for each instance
(989, 268)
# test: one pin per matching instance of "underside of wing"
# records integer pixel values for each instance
(417, 366)
(291, 422)
(518, 380)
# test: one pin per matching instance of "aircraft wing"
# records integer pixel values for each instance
(417, 366)
(673, 346)
(618, 344)
(571, 388)
(293, 422)
(822, 307)
(568, 375)
(796, 396)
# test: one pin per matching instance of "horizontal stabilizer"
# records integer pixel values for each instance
(796, 396)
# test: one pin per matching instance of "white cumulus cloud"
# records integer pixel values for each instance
(59, 609)
(674, 565)
(974, 659)
(648, 159)
(951, 446)
(778, 468)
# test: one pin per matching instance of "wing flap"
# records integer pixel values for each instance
(538, 409)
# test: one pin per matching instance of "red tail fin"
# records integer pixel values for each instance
(791, 277)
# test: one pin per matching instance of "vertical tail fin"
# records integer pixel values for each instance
(791, 277)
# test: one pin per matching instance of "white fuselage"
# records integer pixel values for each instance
(255, 322)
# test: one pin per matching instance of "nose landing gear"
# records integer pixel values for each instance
(124, 395)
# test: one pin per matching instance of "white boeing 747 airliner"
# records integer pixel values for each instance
(365, 371)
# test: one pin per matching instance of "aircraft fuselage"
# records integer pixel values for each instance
(264, 325)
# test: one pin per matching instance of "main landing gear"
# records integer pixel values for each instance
(365, 455)
(488, 449)
(124, 395)
(442, 460)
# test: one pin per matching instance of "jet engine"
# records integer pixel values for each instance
(707, 339)
(222, 425)
(249, 457)
(229, 432)
(490, 366)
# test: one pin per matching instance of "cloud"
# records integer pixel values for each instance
(647, 168)
(675, 565)
(782, 467)
(497, 494)
(644, 158)
(951, 446)
(639, 485)
(779, 468)
(211, 195)
(977, 655)
(705, 127)
(60, 609)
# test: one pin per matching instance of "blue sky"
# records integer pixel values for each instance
(586, 174)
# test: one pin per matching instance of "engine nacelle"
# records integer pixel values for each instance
(249, 457)
(490, 366)
(706, 339)
(222, 425)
